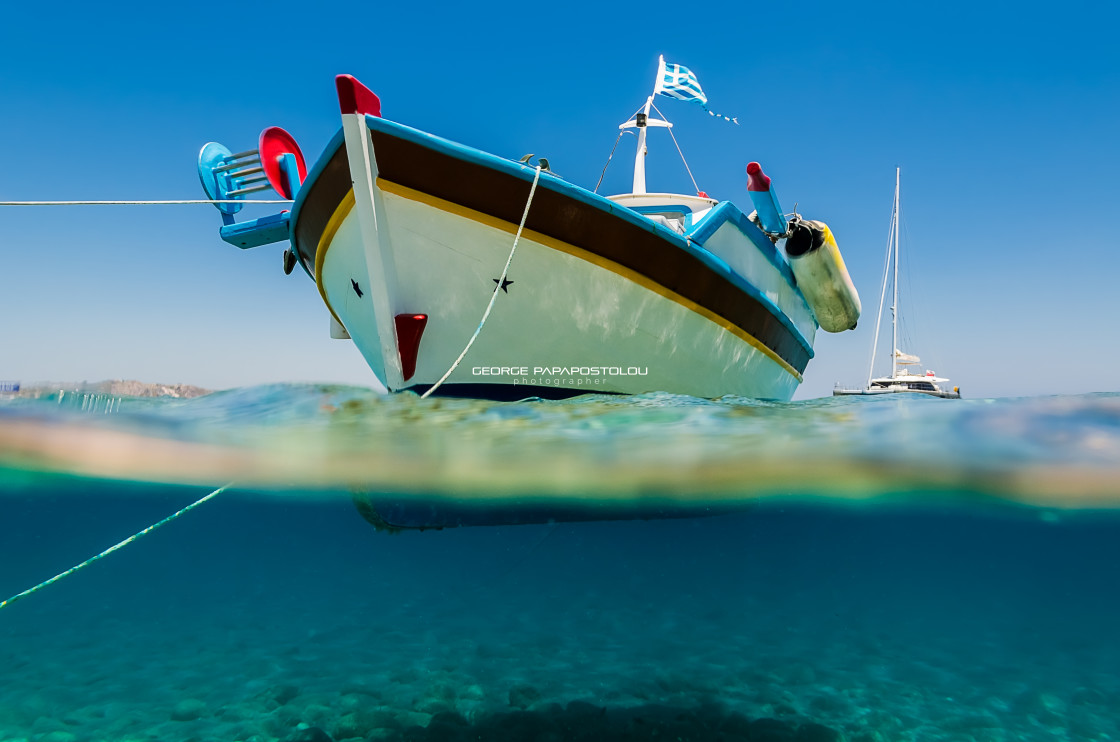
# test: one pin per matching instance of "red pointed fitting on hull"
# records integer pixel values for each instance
(409, 329)
(353, 97)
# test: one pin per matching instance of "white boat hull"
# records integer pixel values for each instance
(397, 226)
(565, 321)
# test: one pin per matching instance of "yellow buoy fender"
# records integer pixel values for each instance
(819, 269)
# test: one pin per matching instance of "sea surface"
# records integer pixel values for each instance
(889, 569)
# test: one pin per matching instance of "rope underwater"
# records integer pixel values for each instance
(501, 281)
(113, 548)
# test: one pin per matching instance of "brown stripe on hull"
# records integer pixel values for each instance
(503, 195)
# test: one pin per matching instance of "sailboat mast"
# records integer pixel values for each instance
(894, 304)
(882, 293)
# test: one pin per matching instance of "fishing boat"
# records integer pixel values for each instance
(902, 379)
(469, 274)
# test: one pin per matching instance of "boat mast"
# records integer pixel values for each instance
(641, 120)
(894, 304)
(883, 291)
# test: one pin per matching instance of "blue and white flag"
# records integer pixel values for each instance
(678, 81)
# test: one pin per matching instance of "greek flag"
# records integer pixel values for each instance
(677, 81)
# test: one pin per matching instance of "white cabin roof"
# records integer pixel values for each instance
(645, 200)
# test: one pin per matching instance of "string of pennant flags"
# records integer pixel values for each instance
(677, 81)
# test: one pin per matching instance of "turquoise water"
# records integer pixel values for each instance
(868, 570)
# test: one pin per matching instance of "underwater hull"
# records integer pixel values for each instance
(386, 513)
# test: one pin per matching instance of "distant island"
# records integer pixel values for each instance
(113, 388)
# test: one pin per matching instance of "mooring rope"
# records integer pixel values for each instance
(148, 203)
(501, 282)
(113, 548)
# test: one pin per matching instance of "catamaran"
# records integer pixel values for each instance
(902, 379)
(456, 270)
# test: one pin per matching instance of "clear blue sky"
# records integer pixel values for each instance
(1002, 117)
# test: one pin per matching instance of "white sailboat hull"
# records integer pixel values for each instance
(875, 392)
